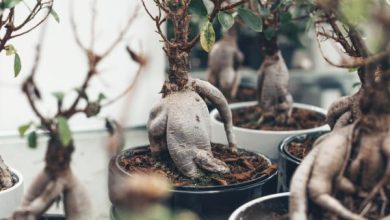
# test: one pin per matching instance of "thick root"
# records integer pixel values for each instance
(210, 92)
(205, 160)
(6, 180)
(340, 108)
(45, 191)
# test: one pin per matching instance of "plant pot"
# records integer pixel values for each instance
(264, 142)
(209, 202)
(10, 199)
(288, 163)
(263, 208)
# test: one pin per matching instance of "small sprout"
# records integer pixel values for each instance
(59, 96)
(9, 50)
(101, 97)
(55, 15)
(17, 65)
(23, 128)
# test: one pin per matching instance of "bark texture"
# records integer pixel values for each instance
(180, 123)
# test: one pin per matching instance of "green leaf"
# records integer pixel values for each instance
(23, 128)
(207, 36)
(269, 33)
(209, 6)
(101, 97)
(285, 17)
(252, 20)
(264, 12)
(64, 131)
(9, 3)
(9, 50)
(55, 15)
(32, 139)
(17, 65)
(309, 24)
(226, 20)
(355, 11)
(59, 96)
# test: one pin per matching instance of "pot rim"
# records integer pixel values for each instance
(283, 145)
(214, 113)
(243, 207)
(17, 185)
(203, 189)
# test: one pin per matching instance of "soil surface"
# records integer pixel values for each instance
(301, 119)
(244, 94)
(244, 166)
(14, 181)
(300, 149)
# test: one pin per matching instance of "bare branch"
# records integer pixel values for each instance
(141, 63)
(74, 27)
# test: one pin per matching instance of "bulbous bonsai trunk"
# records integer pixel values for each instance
(347, 174)
(225, 58)
(180, 123)
(272, 83)
(54, 183)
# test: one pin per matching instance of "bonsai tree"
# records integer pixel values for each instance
(10, 30)
(180, 122)
(224, 60)
(273, 95)
(57, 180)
(346, 174)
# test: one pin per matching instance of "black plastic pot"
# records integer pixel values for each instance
(209, 203)
(288, 163)
(264, 208)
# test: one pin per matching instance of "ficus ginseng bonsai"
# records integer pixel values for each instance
(57, 180)
(224, 60)
(10, 29)
(346, 175)
(180, 123)
(271, 18)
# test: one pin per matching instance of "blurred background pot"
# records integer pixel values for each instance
(10, 199)
(264, 208)
(288, 162)
(264, 142)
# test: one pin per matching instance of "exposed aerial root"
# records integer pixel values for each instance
(45, 191)
(342, 108)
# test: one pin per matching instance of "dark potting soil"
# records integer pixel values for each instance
(244, 94)
(244, 166)
(300, 149)
(300, 119)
